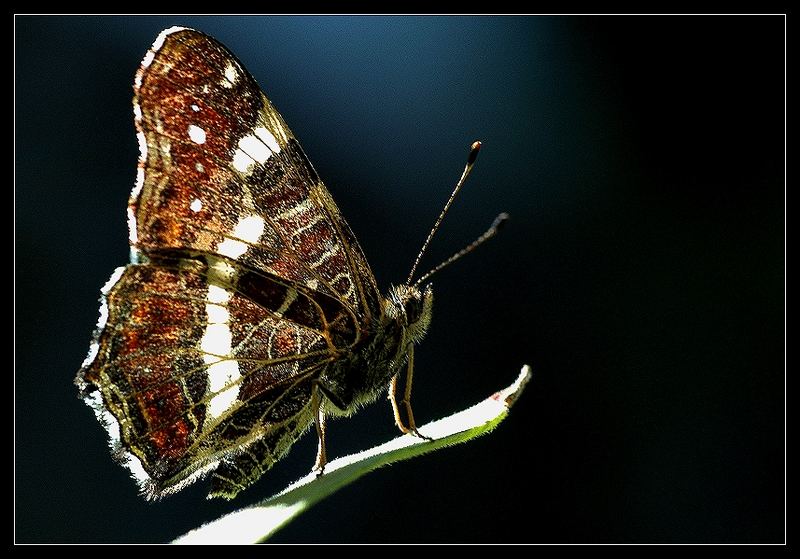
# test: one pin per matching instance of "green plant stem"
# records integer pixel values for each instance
(258, 522)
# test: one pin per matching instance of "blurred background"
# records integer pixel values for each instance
(642, 274)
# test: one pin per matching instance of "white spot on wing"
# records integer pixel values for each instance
(195, 108)
(216, 345)
(197, 134)
(255, 148)
(266, 136)
(231, 76)
(199, 167)
(218, 295)
(217, 314)
(232, 248)
(248, 230)
(220, 375)
(196, 205)
(216, 341)
(137, 111)
(242, 162)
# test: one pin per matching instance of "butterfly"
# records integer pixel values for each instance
(248, 311)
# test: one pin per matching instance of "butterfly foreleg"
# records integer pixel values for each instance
(406, 401)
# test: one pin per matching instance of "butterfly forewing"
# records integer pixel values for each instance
(245, 280)
(223, 174)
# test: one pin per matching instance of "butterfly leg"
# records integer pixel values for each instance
(406, 401)
(319, 422)
(398, 420)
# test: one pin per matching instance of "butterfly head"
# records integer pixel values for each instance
(412, 308)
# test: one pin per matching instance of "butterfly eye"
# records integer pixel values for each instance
(413, 308)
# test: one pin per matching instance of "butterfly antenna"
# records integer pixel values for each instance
(497, 224)
(473, 155)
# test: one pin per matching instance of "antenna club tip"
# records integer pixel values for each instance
(473, 152)
(500, 220)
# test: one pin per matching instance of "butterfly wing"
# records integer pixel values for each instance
(245, 280)
(183, 371)
(221, 173)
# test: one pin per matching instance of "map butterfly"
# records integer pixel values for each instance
(248, 311)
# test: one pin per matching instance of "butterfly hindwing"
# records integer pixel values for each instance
(189, 369)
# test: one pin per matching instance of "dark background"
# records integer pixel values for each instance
(642, 274)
